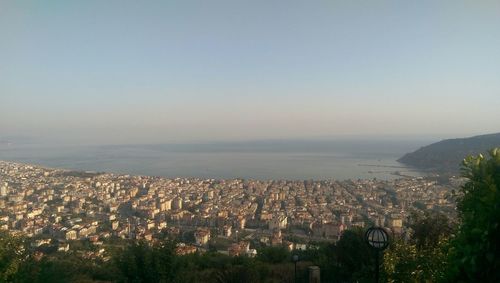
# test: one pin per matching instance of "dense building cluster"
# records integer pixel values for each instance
(60, 205)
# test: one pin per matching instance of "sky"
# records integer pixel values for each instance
(108, 72)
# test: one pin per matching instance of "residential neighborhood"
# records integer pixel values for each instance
(58, 207)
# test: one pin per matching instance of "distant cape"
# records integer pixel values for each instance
(447, 155)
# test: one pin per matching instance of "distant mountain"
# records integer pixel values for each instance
(447, 155)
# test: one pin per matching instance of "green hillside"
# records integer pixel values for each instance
(447, 155)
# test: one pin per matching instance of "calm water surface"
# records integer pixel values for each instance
(251, 160)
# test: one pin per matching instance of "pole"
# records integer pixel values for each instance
(376, 266)
(295, 271)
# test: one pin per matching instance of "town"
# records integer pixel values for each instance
(58, 208)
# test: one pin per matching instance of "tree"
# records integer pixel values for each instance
(274, 255)
(140, 262)
(354, 257)
(349, 260)
(475, 250)
(12, 254)
(429, 228)
(423, 257)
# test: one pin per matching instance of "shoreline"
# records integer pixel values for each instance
(96, 173)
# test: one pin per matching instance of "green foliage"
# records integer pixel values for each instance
(140, 262)
(12, 254)
(64, 267)
(355, 258)
(447, 154)
(350, 260)
(274, 254)
(400, 260)
(476, 249)
(429, 229)
(422, 257)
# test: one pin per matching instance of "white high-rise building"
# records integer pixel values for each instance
(4, 189)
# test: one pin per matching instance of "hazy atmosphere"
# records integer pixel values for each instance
(188, 71)
(256, 141)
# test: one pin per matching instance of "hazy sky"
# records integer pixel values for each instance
(172, 71)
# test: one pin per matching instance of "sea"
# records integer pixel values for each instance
(259, 160)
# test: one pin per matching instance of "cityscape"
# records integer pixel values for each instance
(266, 141)
(57, 207)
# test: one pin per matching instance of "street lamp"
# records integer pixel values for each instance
(295, 259)
(378, 239)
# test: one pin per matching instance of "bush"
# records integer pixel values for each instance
(476, 248)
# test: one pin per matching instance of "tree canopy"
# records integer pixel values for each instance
(475, 250)
(12, 252)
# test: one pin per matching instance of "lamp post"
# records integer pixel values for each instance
(378, 239)
(295, 259)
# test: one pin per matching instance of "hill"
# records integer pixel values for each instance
(447, 155)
